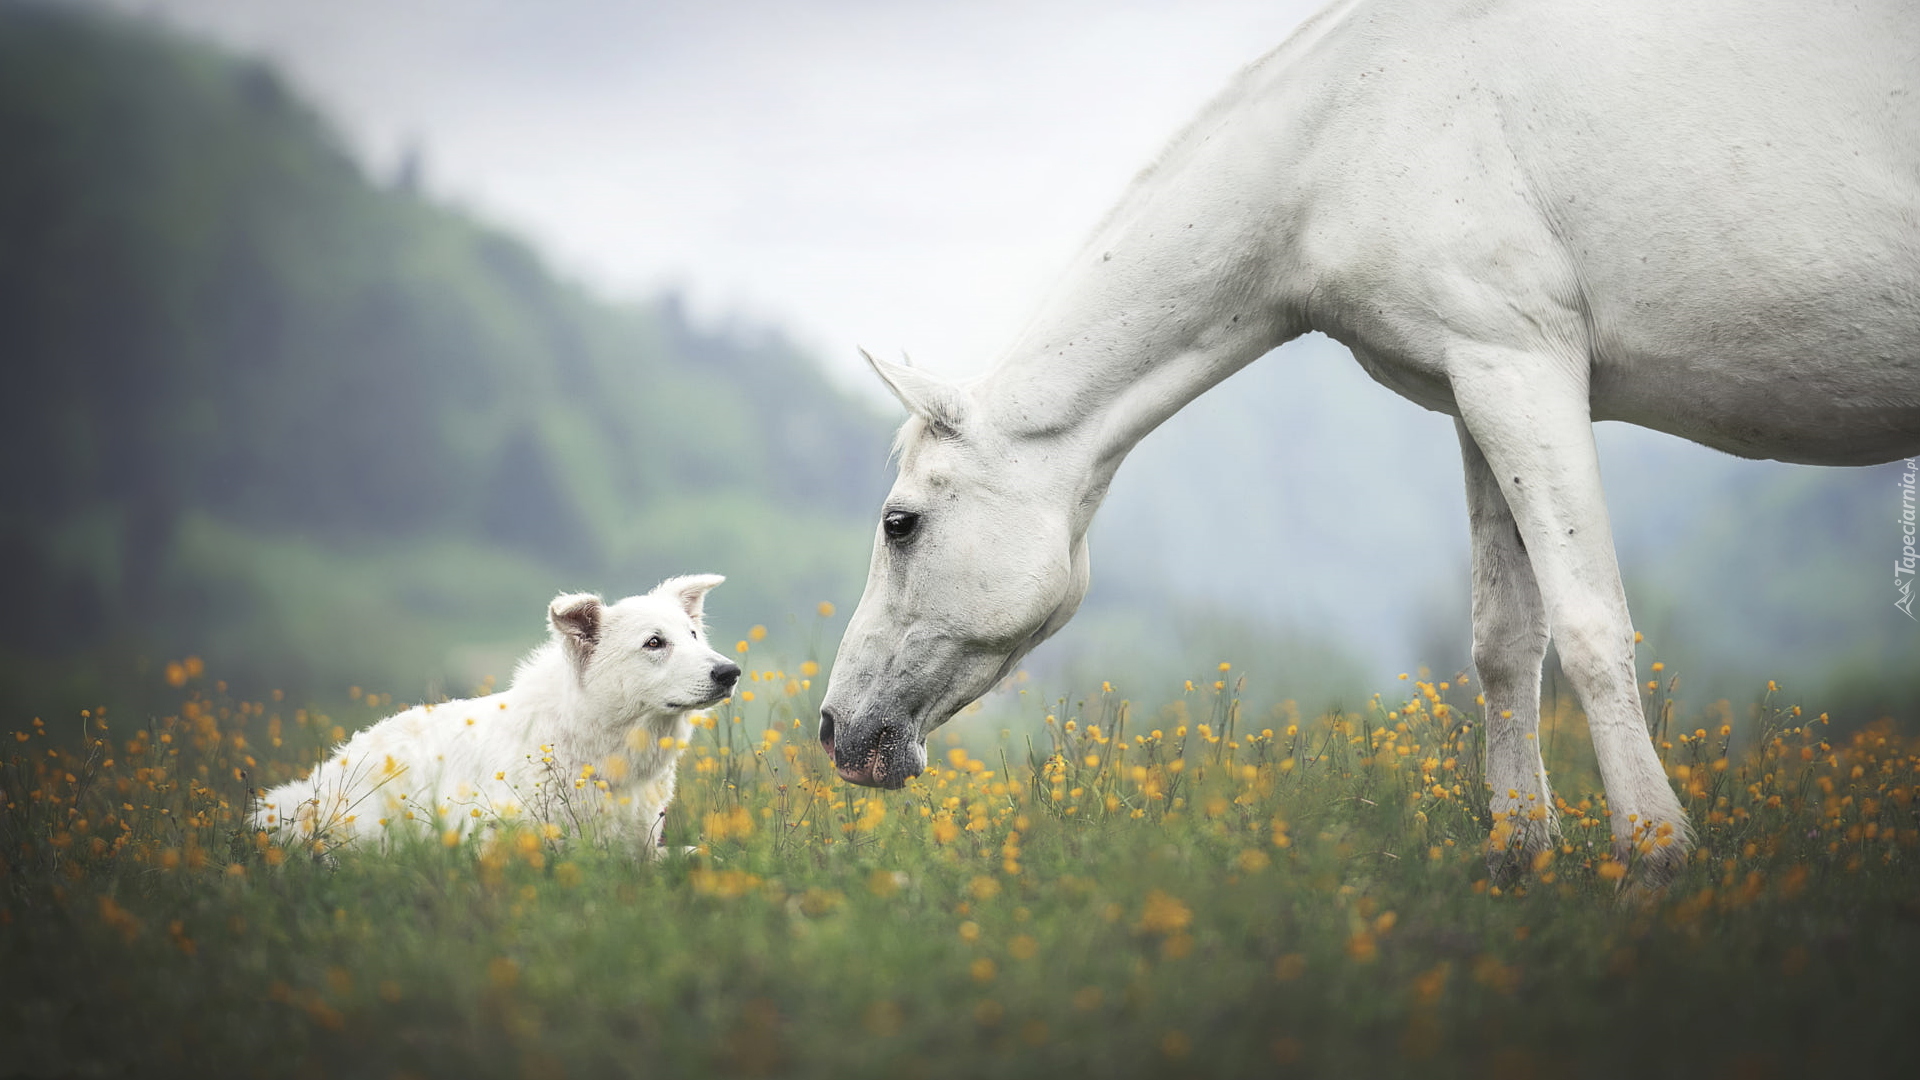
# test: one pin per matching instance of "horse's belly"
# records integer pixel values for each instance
(1836, 410)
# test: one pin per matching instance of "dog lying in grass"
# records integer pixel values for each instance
(586, 739)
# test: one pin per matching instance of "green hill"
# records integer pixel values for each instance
(327, 431)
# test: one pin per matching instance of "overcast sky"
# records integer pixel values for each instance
(860, 172)
(912, 174)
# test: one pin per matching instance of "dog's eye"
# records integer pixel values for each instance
(655, 642)
(899, 524)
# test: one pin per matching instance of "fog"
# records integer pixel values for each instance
(859, 172)
(911, 177)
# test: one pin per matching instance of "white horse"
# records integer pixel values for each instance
(1702, 218)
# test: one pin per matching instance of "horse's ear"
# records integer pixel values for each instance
(932, 399)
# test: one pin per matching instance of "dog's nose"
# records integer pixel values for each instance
(725, 673)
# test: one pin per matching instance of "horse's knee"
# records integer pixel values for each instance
(1508, 665)
(1594, 651)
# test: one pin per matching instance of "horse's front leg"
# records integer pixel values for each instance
(1509, 646)
(1527, 413)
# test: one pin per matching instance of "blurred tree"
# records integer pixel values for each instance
(209, 314)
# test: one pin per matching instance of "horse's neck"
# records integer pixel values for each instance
(1178, 290)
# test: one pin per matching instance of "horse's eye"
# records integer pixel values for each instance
(899, 524)
(655, 642)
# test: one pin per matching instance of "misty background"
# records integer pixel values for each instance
(340, 337)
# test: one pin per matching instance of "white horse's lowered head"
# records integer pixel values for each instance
(1527, 214)
(979, 556)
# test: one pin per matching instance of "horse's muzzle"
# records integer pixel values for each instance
(883, 759)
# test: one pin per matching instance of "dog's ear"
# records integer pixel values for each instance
(576, 619)
(690, 592)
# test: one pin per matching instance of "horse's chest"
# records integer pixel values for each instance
(1422, 383)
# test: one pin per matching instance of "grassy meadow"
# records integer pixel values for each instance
(1173, 883)
(301, 416)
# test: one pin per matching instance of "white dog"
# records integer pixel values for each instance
(587, 736)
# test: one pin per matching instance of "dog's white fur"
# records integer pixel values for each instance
(587, 737)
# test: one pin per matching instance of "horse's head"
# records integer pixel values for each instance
(977, 558)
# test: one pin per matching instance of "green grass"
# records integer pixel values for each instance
(1058, 900)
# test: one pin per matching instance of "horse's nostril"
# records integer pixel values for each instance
(726, 674)
(826, 731)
